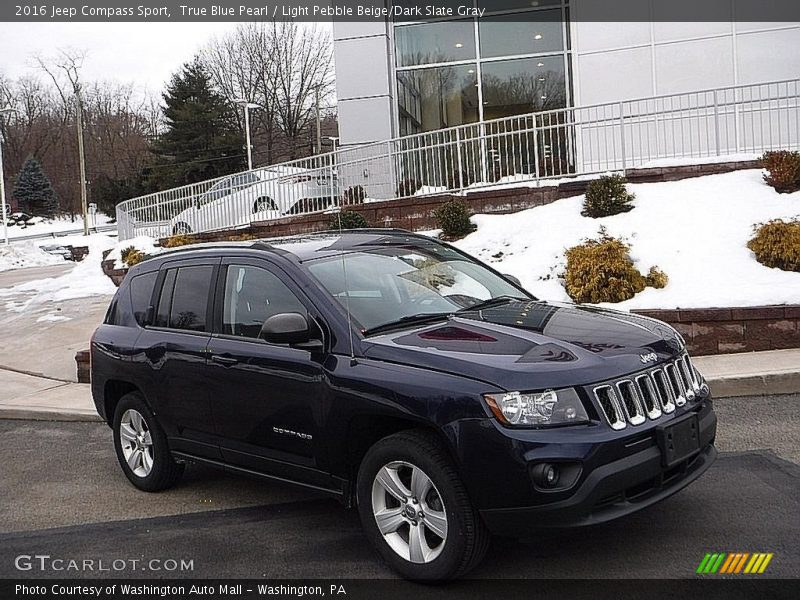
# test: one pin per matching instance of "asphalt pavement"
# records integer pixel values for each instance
(63, 495)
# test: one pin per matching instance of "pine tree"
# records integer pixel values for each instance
(202, 139)
(33, 190)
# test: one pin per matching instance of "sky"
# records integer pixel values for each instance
(145, 54)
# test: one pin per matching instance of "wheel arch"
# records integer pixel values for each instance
(113, 391)
(364, 431)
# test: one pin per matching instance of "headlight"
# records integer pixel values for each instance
(551, 407)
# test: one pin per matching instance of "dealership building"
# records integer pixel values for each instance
(401, 78)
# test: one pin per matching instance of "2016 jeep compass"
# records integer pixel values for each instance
(404, 377)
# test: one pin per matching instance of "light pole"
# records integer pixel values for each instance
(247, 106)
(3, 111)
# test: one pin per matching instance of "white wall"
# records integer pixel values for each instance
(621, 61)
(363, 82)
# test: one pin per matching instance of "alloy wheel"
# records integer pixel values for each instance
(409, 512)
(136, 442)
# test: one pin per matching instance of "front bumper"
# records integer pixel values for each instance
(609, 492)
(619, 475)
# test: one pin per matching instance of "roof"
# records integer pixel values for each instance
(315, 245)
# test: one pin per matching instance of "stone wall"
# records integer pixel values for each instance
(728, 330)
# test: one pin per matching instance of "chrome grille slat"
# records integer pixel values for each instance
(674, 380)
(647, 393)
(651, 394)
(664, 390)
(609, 404)
(629, 399)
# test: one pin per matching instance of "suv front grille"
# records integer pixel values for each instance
(648, 395)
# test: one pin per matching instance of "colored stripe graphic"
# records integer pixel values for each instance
(734, 563)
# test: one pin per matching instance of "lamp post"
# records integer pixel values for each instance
(3, 179)
(247, 106)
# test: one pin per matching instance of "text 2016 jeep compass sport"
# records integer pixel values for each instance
(404, 377)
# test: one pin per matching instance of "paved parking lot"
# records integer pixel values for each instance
(62, 494)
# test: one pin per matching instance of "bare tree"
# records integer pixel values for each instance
(279, 66)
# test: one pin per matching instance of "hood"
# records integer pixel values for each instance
(533, 345)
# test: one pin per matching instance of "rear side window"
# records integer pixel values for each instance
(141, 293)
(184, 298)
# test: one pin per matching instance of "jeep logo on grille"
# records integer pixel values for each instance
(647, 358)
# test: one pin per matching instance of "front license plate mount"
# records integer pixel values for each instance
(679, 440)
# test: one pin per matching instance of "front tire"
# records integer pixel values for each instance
(415, 509)
(141, 446)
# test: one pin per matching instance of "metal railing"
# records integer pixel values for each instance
(532, 149)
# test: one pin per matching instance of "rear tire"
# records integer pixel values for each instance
(141, 445)
(263, 204)
(181, 229)
(435, 534)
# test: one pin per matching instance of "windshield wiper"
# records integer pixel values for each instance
(492, 302)
(417, 319)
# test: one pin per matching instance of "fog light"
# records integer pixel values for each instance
(546, 475)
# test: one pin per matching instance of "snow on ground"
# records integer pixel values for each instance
(85, 280)
(55, 226)
(695, 230)
(26, 254)
(144, 243)
(702, 160)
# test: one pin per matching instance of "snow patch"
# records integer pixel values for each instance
(26, 254)
(143, 243)
(695, 230)
(86, 279)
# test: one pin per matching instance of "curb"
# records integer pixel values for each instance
(755, 385)
(48, 414)
(721, 388)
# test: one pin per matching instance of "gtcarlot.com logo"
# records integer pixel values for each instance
(734, 563)
(47, 563)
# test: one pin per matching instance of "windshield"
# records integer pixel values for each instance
(388, 284)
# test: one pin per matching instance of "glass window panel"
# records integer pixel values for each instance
(190, 298)
(253, 295)
(528, 33)
(513, 87)
(141, 292)
(436, 98)
(428, 43)
(165, 299)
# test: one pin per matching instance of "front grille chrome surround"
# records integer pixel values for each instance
(651, 394)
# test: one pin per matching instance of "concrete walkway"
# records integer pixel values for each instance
(25, 396)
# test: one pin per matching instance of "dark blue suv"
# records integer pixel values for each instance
(403, 377)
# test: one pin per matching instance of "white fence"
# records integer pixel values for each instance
(585, 140)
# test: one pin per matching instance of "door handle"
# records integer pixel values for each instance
(224, 360)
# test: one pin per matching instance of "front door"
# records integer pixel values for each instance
(267, 399)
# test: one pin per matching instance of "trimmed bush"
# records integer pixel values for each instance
(776, 244)
(242, 237)
(453, 218)
(355, 194)
(601, 270)
(408, 187)
(176, 241)
(783, 170)
(607, 196)
(131, 256)
(348, 219)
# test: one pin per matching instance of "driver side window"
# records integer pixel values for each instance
(252, 295)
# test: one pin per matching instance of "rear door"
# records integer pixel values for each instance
(173, 350)
(267, 399)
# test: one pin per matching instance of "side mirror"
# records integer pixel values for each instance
(512, 279)
(286, 328)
